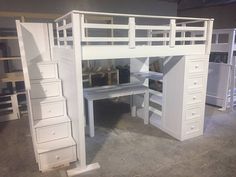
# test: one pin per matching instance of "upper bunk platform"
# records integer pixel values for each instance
(223, 40)
(111, 35)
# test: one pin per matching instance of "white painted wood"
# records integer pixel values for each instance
(78, 170)
(100, 51)
(53, 132)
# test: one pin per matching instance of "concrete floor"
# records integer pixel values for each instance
(124, 147)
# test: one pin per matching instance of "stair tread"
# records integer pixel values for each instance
(44, 62)
(33, 81)
(50, 121)
(48, 99)
(55, 144)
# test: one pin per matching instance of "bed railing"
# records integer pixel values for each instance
(134, 30)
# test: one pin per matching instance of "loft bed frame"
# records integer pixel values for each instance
(183, 43)
(221, 78)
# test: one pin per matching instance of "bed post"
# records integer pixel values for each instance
(81, 166)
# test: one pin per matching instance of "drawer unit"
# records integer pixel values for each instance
(57, 158)
(196, 66)
(52, 132)
(43, 110)
(193, 98)
(192, 127)
(43, 71)
(43, 90)
(193, 113)
(195, 83)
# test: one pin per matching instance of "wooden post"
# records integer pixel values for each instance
(209, 36)
(172, 32)
(131, 32)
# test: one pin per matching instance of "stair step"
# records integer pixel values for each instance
(50, 121)
(48, 100)
(54, 145)
(35, 81)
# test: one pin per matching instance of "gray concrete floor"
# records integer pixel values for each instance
(125, 147)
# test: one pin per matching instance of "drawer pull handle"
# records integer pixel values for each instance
(196, 67)
(57, 157)
(195, 83)
(194, 98)
(192, 127)
(53, 133)
(193, 113)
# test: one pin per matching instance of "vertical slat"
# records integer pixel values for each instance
(183, 34)
(64, 32)
(82, 27)
(209, 36)
(131, 32)
(58, 42)
(172, 32)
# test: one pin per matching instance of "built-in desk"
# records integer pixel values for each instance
(111, 92)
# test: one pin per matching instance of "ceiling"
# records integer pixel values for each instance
(193, 4)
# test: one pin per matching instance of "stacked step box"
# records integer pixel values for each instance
(55, 146)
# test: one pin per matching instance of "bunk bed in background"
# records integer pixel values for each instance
(138, 39)
(221, 78)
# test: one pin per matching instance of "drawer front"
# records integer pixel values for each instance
(43, 71)
(192, 127)
(44, 90)
(52, 132)
(196, 67)
(194, 98)
(193, 113)
(47, 110)
(57, 158)
(195, 83)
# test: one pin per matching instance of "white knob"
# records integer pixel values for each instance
(49, 111)
(53, 133)
(196, 67)
(194, 98)
(192, 127)
(57, 157)
(195, 83)
(193, 113)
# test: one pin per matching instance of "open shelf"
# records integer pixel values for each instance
(150, 75)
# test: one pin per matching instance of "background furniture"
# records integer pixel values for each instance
(221, 77)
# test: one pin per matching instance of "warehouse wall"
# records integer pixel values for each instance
(154, 7)
(224, 15)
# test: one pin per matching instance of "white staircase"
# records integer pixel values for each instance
(50, 125)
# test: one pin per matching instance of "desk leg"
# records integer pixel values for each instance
(91, 118)
(132, 106)
(146, 108)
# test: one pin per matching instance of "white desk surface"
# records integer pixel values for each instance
(114, 91)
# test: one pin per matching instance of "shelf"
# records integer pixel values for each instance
(150, 75)
(156, 120)
(8, 37)
(156, 99)
(12, 77)
(154, 92)
(9, 58)
(155, 111)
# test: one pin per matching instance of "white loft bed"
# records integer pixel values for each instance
(185, 56)
(221, 78)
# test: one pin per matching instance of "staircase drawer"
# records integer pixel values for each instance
(43, 71)
(194, 98)
(43, 90)
(53, 132)
(48, 110)
(57, 158)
